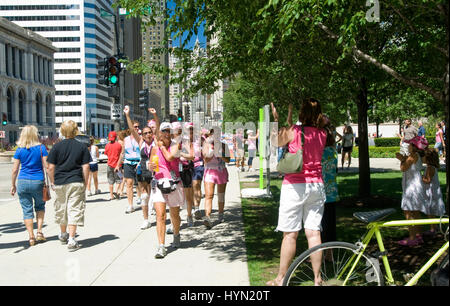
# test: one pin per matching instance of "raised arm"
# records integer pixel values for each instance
(135, 134)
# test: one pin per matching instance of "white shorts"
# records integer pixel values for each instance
(301, 204)
(173, 199)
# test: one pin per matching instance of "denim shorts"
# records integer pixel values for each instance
(29, 190)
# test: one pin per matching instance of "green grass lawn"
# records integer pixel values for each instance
(261, 215)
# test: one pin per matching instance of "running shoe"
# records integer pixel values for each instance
(169, 229)
(176, 241)
(73, 245)
(160, 252)
(197, 214)
(63, 237)
(207, 222)
(190, 221)
(220, 219)
(129, 210)
(146, 224)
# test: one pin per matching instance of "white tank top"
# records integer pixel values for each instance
(93, 155)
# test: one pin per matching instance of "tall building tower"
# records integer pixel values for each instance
(83, 37)
(157, 85)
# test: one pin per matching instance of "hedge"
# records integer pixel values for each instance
(378, 152)
(395, 141)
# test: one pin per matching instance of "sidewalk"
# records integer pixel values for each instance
(116, 252)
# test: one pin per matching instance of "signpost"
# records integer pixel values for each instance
(116, 112)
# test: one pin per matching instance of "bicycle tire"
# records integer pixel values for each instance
(366, 273)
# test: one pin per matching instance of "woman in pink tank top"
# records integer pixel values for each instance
(168, 169)
(216, 173)
(302, 195)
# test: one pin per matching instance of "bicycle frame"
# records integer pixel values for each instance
(374, 229)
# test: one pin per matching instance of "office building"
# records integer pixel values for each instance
(27, 87)
(83, 36)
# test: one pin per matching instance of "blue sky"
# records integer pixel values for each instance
(190, 45)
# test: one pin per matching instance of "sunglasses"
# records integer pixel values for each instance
(166, 131)
(146, 133)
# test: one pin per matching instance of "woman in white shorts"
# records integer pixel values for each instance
(166, 170)
(302, 194)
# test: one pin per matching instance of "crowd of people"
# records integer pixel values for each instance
(169, 167)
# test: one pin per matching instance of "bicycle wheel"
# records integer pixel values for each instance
(336, 267)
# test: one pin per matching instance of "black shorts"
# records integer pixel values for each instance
(347, 149)
(145, 177)
(186, 177)
(129, 171)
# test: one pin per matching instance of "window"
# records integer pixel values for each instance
(38, 108)
(48, 110)
(9, 104)
(21, 106)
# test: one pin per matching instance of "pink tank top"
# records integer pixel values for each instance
(166, 167)
(315, 140)
(438, 137)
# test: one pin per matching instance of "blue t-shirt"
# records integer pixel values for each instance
(31, 162)
(421, 131)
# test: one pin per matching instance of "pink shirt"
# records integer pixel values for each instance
(315, 140)
(165, 167)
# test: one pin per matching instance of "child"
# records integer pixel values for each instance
(413, 199)
(433, 195)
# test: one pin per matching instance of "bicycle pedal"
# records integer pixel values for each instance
(407, 276)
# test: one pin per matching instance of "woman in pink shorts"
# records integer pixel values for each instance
(216, 173)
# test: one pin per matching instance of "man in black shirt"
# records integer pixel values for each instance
(69, 172)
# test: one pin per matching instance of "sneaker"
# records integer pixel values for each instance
(160, 252)
(73, 245)
(197, 214)
(98, 191)
(220, 218)
(129, 210)
(169, 229)
(63, 237)
(176, 241)
(146, 224)
(138, 201)
(190, 221)
(207, 222)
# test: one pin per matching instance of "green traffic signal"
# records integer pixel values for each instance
(113, 79)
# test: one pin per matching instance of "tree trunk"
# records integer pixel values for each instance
(363, 143)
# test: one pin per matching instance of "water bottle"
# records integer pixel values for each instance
(155, 160)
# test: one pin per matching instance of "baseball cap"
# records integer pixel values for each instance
(176, 125)
(151, 123)
(112, 135)
(165, 126)
(419, 142)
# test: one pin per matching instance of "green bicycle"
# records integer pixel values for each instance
(345, 264)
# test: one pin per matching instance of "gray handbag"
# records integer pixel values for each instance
(292, 162)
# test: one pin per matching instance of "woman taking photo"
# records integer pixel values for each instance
(145, 145)
(31, 157)
(302, 194)
(166, 187)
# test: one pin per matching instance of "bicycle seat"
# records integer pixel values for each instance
(373, 216)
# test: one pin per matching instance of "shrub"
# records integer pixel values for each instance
(395, 141)
(378, 152)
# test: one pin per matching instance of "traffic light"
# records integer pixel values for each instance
(113, 70)
(4, 119)
(143, 98)
(180, 115)
(103, 72)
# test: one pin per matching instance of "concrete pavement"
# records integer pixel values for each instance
(116, 252)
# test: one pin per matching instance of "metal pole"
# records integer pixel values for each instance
(261, 148)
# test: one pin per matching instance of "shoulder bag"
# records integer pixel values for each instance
(46, 188)
(292, 162)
